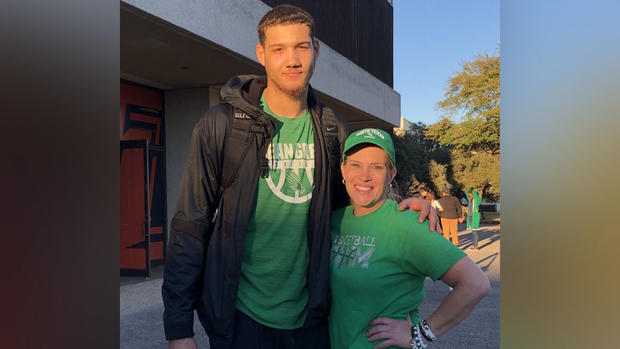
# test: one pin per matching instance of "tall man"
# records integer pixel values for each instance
(249, 244)
(451, 214)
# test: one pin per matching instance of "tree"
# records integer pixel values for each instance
(473, 95)
(420, 161)
(470, 128)
(416, 133)
(478, 170)
(438, 174)
(411, 159)
(415, 186)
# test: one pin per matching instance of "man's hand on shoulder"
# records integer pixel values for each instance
(184, 343)
(424, 209)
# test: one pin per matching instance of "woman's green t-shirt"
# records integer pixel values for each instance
(378, 264)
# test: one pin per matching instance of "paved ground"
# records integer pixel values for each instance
(481, 328)
(141, 317)
(141, 307)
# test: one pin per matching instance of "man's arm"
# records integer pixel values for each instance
(478, 199)
(191, 227)
(424, 209)
(467, 196)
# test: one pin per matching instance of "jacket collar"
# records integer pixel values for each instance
(244, 92)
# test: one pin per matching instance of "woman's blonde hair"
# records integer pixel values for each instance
(392, 191)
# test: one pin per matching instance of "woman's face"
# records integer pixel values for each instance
(367, 177)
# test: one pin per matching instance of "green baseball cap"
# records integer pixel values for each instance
(374, 136)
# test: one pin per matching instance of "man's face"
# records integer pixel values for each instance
(288, 55)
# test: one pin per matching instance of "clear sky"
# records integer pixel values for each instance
(431, 40)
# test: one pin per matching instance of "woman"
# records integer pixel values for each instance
(430, 196)
(380, 258)
(473, 216)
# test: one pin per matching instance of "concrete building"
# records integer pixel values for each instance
(175, 55)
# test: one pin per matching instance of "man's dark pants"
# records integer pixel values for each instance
(251, 334)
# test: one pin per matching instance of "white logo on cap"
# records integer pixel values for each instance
(369, 133)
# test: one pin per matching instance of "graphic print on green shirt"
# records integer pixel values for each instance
(378, 264)
(272, 287)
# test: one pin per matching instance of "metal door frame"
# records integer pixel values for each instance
(149, 152)
(146, 223)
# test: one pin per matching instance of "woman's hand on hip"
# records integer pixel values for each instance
(393, 332)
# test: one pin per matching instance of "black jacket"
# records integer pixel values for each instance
(203, 261)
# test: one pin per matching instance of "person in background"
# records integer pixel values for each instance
(423, 192)
(380, 258)
(430, 196)
(473, 215)
(451, 215)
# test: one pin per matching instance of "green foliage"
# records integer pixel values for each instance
(411, 160)
(420, 161)
(474, 95)
(459, 154)
(415, 186)
(439, 175)
(416, 134)
(477, 170)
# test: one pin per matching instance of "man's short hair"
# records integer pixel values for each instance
(284, 14)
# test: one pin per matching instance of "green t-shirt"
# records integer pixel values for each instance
(272, 287)
(378, 264)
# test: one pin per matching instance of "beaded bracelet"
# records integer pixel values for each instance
(416, 338)
(426, 331)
